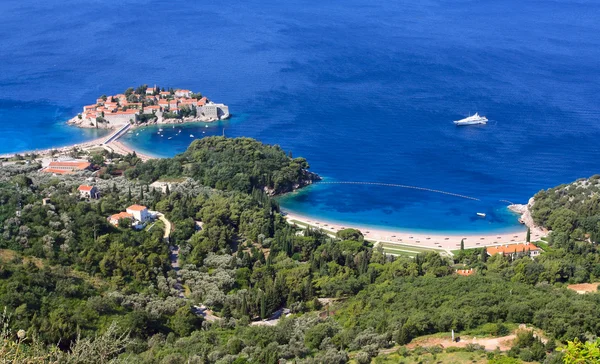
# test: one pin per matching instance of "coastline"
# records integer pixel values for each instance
(434, 240)
(115, 146)
(62, 149)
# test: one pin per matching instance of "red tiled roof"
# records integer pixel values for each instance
(465, 272)
(73, 164)
(121, 215)
(512, 248)
(58, 171)
(85, 188)
(137, 208)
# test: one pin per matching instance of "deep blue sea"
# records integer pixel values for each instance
(365, 90)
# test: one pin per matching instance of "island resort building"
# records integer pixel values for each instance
(118, 110)
(215, 111)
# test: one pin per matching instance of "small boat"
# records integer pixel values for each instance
(481, 214)
(136, 134)
(173, 126)
(191, 135)
(203, 132)
(170, 138)
(161, 135)
(160, 129)
(206, 126)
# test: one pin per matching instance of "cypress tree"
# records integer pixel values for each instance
(141, 192)
(483, 255)
(263, 306)
(129, 194)
(528, 237)
(462, 244)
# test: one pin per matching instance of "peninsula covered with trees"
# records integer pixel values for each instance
(250, 287)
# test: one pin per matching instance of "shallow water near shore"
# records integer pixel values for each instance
(365, 91)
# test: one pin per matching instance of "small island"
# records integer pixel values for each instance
(149, 105)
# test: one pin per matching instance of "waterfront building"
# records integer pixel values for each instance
(121, 117)
(183, 93)
(215, 111)
(153, 109)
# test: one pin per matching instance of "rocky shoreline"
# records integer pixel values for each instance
(526, 218)
(307, 179)
(75, 121)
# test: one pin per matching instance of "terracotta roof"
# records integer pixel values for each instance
(73, 164)
(512, 248)
(465, 272)
(85, 188)
(57, 171)
(121, 215)
(137, 208)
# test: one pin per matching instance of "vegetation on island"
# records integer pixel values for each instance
(78, 289)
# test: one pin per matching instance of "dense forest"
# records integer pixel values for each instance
(240, 164)
(272, 291)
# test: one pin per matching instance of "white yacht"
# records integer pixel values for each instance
(472, 120)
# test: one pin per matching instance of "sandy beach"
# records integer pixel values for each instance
(64, 149)
(121, 148)
(115, 145)
(420, 239)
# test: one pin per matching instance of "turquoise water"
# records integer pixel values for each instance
(366, 91)
(29, 126)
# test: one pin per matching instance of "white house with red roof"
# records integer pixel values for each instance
(139, 212)
(86, 191)
(173, 104)
(183, 93)
(138, 215)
